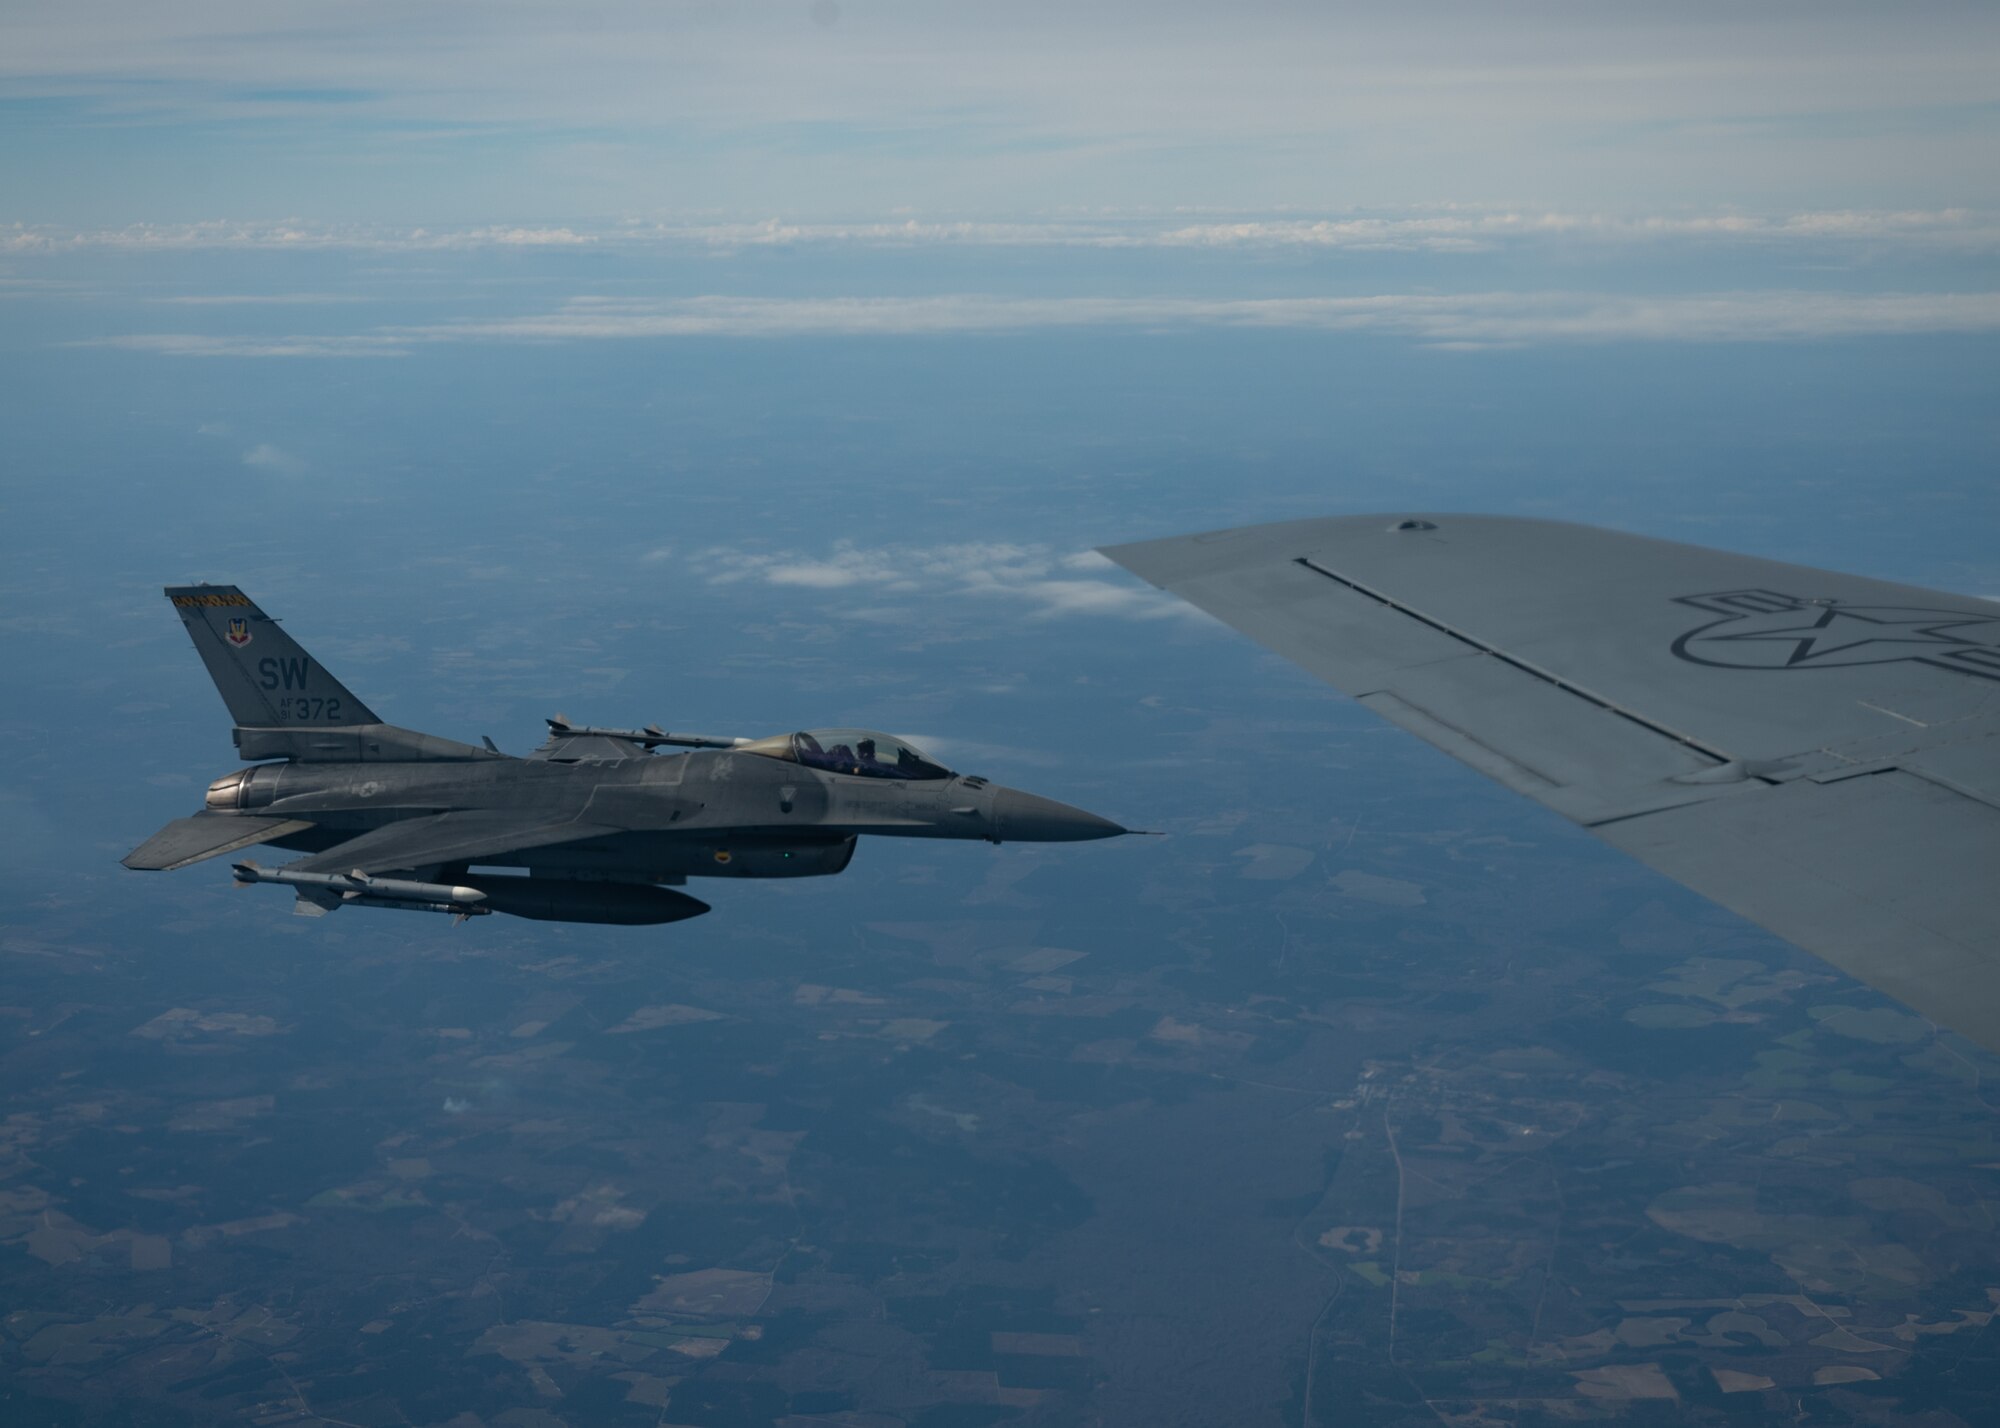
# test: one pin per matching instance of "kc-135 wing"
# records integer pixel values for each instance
(1816, 751)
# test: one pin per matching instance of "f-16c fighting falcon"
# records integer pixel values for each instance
(388, 817)
(1816, 751)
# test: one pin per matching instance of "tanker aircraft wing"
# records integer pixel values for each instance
(1819, 752)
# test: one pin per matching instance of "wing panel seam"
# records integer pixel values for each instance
(1532, 670)
(1950, 785)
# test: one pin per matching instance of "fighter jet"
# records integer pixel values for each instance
(604, 826)
(1817, 751)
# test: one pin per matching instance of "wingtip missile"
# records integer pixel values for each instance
(652, 736)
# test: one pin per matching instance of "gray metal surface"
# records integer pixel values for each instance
(260, 671)
(206, 835)
(595, 816)
(467, 836)
(1817, 751)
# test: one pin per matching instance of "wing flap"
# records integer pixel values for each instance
(1460, 745)
(1556, 734)
(1888, 876)
(468, 837)
(207, 835)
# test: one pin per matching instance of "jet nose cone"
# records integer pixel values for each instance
(1028, 818)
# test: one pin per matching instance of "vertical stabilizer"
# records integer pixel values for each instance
(267, 681)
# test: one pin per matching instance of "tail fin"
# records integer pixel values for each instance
(267, 681)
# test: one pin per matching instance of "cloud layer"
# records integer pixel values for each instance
(1041, 582)
(1439, 230)
(476, 108)
(273, 460)
(283, 236)
(1461, 320)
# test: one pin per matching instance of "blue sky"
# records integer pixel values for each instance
(499, 112)
(1456, 174)
(1653, 200)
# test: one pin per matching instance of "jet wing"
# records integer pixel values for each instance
(467, 837)
(1816, 751)
(207, 835)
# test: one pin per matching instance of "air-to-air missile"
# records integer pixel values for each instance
(330, 890)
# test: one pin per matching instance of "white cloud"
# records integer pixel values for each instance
(1045, 582)
(1088, 560)
(1441, 229)
(277, 461)
(1459, 231)
(1082, 597)
(195, 344)
(1458, 318)
(845, 567)
(902, 233)
(253, 299)
(1451, 320)
(1176, 99)
(287, 235)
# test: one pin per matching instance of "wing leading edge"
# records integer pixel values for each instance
(1816, 751)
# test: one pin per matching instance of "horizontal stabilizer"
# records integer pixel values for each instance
(207, 835)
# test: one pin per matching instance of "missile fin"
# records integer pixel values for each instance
(313, 904)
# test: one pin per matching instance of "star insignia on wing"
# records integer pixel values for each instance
(1837, 629)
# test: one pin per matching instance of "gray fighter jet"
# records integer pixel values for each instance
(1818, 751)
(389, 817)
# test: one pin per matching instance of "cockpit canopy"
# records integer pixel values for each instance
(861, 752)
